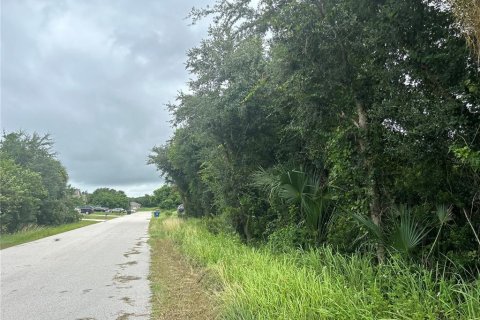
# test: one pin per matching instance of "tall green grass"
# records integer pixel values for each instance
(320, 284)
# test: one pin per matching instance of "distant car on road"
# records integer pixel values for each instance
(87, 209)
(117, 210)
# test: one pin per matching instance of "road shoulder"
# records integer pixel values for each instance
(179, 290)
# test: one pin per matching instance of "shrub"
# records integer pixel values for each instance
(285, 239)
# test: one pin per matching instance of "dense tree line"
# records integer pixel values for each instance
(165, 197)
(109, 198)
(347, 122)
(33, 183)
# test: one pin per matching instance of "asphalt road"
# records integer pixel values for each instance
(95, 272)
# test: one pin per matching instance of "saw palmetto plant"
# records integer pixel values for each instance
(303, 189)
(403, 235)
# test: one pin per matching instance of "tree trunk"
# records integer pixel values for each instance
(246, 229)
(372, 185)
(376, 216)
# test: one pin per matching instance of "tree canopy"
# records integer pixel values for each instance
(165, 197)
(33, 183)
(375, 103)
(109, 198)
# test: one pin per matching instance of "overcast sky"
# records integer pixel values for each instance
(96, 75)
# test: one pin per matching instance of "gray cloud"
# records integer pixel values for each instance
(96, 75)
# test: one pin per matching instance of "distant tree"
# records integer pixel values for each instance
(179, 162)
(74, 199)
(109, 198)
(145, 201)
(166, 197)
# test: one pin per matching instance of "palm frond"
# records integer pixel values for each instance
(444, 214)
(300, 188)
(267, 181)
(293, 186)
(407, 234)
(371, 227)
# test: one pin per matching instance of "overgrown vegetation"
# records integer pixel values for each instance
(265, 283)
(352, 125)
(340, 141)
(33, 183)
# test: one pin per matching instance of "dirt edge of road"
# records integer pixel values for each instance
(179, 290)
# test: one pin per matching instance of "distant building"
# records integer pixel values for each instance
(77, 193)
(135, 205)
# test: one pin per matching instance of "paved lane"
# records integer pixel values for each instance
(96, 272)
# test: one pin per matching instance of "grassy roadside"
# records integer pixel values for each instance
(320, 284)
(147, 209)
(178, 289)
(9, 240)
(100, 216)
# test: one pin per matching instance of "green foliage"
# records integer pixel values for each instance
(146, 201)
(34, 183)
(56, 211)
(468, 156)
(166, 197)
(286, 239)
(404, 235)
(109, 198)
(407, 233)
(444, 215)
(344, 235)
(180, 163)
(304, 190)
(75, 200)
(21, 195)
(376, 98)
(219, 224)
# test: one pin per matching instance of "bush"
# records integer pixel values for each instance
(285, 239)
(221, 223)
(343, 234)
(167, 213)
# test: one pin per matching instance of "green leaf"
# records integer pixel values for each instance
(407, 234)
